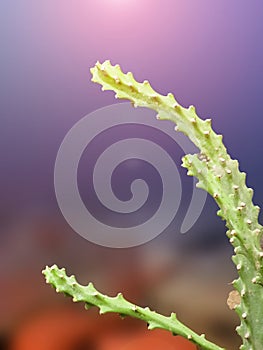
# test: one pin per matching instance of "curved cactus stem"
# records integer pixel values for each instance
(219, 175)
(91, 297)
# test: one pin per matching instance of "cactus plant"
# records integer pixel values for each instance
(220, 176)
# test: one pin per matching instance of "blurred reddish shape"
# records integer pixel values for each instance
(58, 329)
(146, 340)
(71, 329)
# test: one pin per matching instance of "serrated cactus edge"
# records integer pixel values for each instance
(220, 176)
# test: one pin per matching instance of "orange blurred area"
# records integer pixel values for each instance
(70, 329)
(155, 340)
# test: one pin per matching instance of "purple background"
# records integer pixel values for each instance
(208, 53)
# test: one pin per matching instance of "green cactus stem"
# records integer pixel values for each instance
(91, 297)
(219, 175)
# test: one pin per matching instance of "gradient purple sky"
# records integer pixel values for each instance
(208, 53)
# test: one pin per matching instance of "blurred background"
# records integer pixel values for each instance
(209, 54)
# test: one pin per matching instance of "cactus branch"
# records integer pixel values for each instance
(219, 175)
(91, 297)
